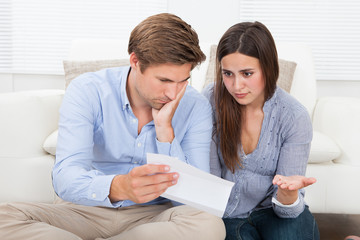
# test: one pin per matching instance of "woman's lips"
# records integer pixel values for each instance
(241, 95)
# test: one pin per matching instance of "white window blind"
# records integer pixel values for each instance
(5, 34)
(35, 35)
(330, 27)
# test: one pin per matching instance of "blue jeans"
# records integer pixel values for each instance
(265, 224)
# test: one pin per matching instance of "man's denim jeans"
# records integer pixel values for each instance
(265, 224)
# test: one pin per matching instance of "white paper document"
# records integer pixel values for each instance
(195, 187)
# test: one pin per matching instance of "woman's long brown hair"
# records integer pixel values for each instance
(254, 40)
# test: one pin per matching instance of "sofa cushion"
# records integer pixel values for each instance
(211, 70)
(50, 143)
(339, 118)
(323, 148)
(286, 74)
(26, 179)
(72, 69)
(286, 71)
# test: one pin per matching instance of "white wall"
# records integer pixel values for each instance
(210, 19)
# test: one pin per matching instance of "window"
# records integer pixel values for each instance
(330, 27)
(35, 35)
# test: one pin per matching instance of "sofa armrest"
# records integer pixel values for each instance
(339, 118)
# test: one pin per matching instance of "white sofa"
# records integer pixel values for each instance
(28, 118)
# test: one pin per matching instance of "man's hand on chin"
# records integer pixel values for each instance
(163, 117)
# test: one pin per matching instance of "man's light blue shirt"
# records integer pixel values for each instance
(98, 137)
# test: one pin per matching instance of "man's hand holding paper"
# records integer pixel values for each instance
(195, 188)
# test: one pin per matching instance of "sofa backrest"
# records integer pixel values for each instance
(27, 120)
(304, 83)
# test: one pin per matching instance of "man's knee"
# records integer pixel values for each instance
(15, 224)
(206, 225)
(213, 226)
(10, 211)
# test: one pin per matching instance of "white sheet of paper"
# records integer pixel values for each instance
(195, 187)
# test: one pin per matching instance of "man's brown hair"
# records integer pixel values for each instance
(165, 38)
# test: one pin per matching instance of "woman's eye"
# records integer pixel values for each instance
(247, 74)
(227, 74)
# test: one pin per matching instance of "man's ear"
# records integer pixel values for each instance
(134, 61)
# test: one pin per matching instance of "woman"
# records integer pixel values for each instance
(261, 140)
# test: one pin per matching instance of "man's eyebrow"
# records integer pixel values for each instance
(169, 80)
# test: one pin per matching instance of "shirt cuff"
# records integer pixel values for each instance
(163, 147)
(100, 190)
(172, 149)
(275, 201)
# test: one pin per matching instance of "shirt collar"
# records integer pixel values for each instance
(124, 100)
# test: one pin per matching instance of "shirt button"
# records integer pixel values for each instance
(134, 120)
(139, 144)
(93, 195)
(135, 162)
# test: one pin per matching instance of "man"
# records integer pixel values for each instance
(109, 120)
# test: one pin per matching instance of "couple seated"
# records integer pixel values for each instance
(246, 130)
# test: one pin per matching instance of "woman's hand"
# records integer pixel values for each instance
(288, 187)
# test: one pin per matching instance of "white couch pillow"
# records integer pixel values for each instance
(323, 149)
(50, 143)
(72, 69)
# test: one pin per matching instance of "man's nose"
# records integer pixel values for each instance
(172, 90)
